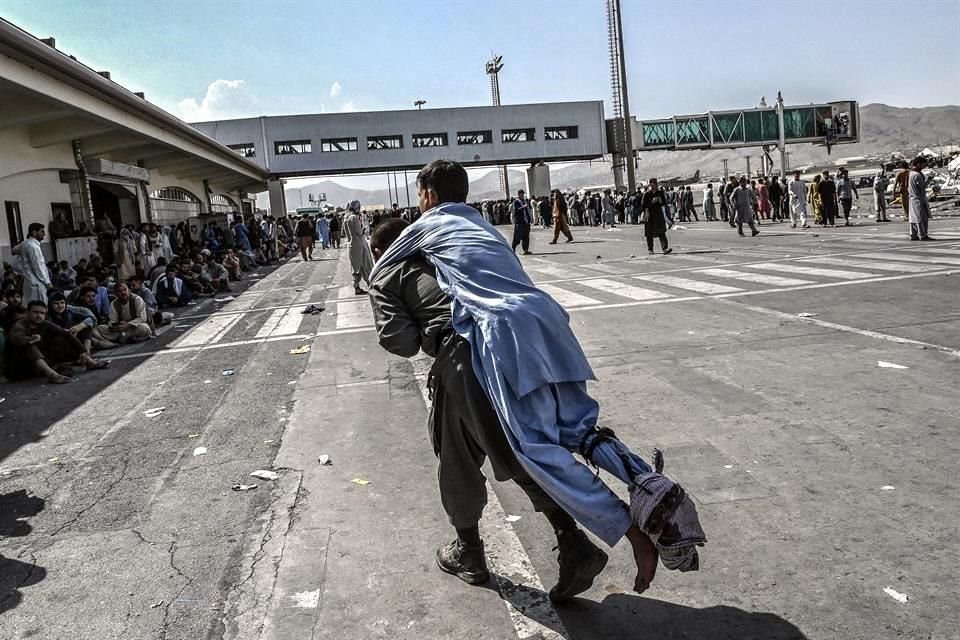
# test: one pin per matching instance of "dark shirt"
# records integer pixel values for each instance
(827, 190)
(653, 202)
(409, 308)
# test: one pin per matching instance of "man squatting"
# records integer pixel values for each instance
(434, 288)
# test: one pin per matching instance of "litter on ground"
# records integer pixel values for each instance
(228, 372)
(300, 350)
(267, 441)
(896, 595)
(890, 365)
(324, 460)
(314, 310)
(244, 487)
(227, 299)
(806, 314)
(513, 518)
(54, 460)
(207, 381)
(200, 451)
(194, 435)
(263, 474)
(360, 481)
(156, 604)
(153, 413)
(887, 487)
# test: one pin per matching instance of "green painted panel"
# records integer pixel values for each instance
(658, 134)
(727, 128)
(692, 131)
(799, 122)
(760, 126)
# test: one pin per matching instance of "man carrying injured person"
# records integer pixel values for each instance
(450, 284)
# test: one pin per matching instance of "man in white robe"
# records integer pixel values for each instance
(919, 205)
(361, 260)
(798, 201)
(36, 278)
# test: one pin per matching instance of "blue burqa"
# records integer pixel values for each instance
(528, 361)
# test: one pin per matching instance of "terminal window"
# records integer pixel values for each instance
(429, 140)
(518, 135)
(474, 137)
(375, 143)
(287, 147)
(560, 133)
(247, 150)
(338, 144)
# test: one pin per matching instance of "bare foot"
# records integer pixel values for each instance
(645, 555)
(58, 379)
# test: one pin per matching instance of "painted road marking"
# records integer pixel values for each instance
(910, 258)
(606, 268)
(567, 298)
(290, 322)
(211, 330)
(624, 290)
(776, 281)
(354, 313)
(553, 269)
(878, 266)
(272, 321)
(690, 285)
(809, 271)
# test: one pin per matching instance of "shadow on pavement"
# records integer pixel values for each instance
(628, 617)
(15, 508)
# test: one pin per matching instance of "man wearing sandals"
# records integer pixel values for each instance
(37, 347)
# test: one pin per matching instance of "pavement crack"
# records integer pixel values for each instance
(26, 579)
(109, 489)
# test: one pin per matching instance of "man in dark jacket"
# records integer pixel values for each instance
(412, 313)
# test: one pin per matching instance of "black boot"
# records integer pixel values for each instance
(581, 562)
(469, 563)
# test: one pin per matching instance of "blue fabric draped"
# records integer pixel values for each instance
(527, 359)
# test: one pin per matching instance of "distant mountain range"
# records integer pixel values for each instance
(884, 130)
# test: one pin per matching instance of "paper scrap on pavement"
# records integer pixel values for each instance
(228, 372)
(513, 518)
(890, 365)
(324, 460)
(263, 474)
(887, 487)
(244, 487)
(153, 413)
(193, 435)
(227, 299)
(200, 451)
(54, 460)
(896, 595)
(360, 481)
(207, 381)
(299, 350)
(806, 314)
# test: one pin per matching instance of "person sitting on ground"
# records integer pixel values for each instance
(77, 320)
(154, 315)
(63, 277)
(157, 271)
(101, 304)
(232, 264)
(128, 318)
(12, 310)
(532, 392)
(172, 291)
(88, 300)
(217, 274)
(37, 347)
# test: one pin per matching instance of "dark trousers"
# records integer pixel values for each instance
(465, 430)
(830, 213)
(521, 236)
(847, 204)
(663, 241)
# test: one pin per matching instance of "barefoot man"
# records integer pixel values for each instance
(520, 400)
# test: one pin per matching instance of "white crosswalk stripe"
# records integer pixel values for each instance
(624, 290)
(791, 268)
(567, 298)
(901, 267)
(553, 270)
(354, 313)
(911, 258)
(690, 285)
(759, 278)
(272, 321)
(606, 268)
(211, 330)
(282, 322)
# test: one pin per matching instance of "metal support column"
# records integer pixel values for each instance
(782, 145)
(406, 184)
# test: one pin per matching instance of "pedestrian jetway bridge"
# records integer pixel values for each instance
(829, 123)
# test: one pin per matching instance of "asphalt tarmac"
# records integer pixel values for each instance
(824, 476)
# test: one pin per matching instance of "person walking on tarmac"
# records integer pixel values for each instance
(522, 220)
(560, 222)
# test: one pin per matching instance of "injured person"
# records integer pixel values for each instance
(449, 284)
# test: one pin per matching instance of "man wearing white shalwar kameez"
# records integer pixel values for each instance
(919, 205)
(361, 260)
(798, 201)
(36, 278)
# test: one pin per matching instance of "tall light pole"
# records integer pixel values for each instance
(419, 103)
(621, 102)
(494, 65)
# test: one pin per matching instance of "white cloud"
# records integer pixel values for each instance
(348, 106)
(335, 89)
(224, 99)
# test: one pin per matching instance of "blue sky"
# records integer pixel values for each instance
(207, 59)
